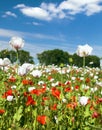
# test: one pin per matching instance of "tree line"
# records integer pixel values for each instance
(24, 56)
(49, 57)
(58, 56)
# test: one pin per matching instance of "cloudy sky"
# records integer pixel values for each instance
(51, 24)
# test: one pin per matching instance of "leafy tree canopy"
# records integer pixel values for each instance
(57, 57)
(24, 56)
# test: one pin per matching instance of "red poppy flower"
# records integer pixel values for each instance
(31, 82)
(56, 93)
(95, 115)
(68, 89)
(26, 94)
(30, 101)
(8, 93)
(12, 79)
(41, 119)
(99, 100)
(54, 107)
(2, 111)
(77, 87)
(45, 98)
(87, 80)
(38, 91)
(25, 82)
(49, 77)
(72, 105)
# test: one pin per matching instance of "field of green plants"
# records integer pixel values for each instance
(39, 97)
(34, 97)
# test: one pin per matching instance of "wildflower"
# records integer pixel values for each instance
(87, 80)
(12, 79)
(36, 73)
(45, 98)
(31, 88)
(25, 81)
(4, 62)
(8, 93)
(2, 111)
(68, 89)
(72, 105)
(21, 71)
(54, 107)
(99, 100)
(13, 87)
(77, 87)
(30, 101)
(95, 114)
(16, 43)
(41, 119)
(56, 93)
(9, 98)
(84, 50)
(83, 100)
(28, 67)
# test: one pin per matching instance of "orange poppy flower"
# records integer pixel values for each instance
(2, 111)
(41, 119)
(72, 105)
(8, 93)
(30, 101)
(56, 93)
(54, 107)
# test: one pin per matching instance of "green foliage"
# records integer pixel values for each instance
(57, 57)
(91, 61)
(24, 56)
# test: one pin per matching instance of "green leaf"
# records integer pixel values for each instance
(18, 114)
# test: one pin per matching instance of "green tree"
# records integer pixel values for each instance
(55, 56)
(91, 61)
(24, 56)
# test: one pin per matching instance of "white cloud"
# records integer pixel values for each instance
(8, 13)
(36, 12)
(4, 45)
(10, 33)
(92, 8)
(89, 7)
(36, 23)
(66, 9)
(19, 6)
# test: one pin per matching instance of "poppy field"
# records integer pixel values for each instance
(39, 97)
(35, 97)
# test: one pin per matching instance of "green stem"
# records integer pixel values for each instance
(35, 115)
(83, 61)
(92, 126)
(17, 57)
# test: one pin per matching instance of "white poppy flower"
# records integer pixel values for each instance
(21, 71)
(83, 100)
(4, 62)
(14, 87)
(28, 66)
(84, 50)
(31, 88)
(9, 98)
(16, 42)
(36, 73)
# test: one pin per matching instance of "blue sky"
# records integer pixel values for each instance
(51, 24)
